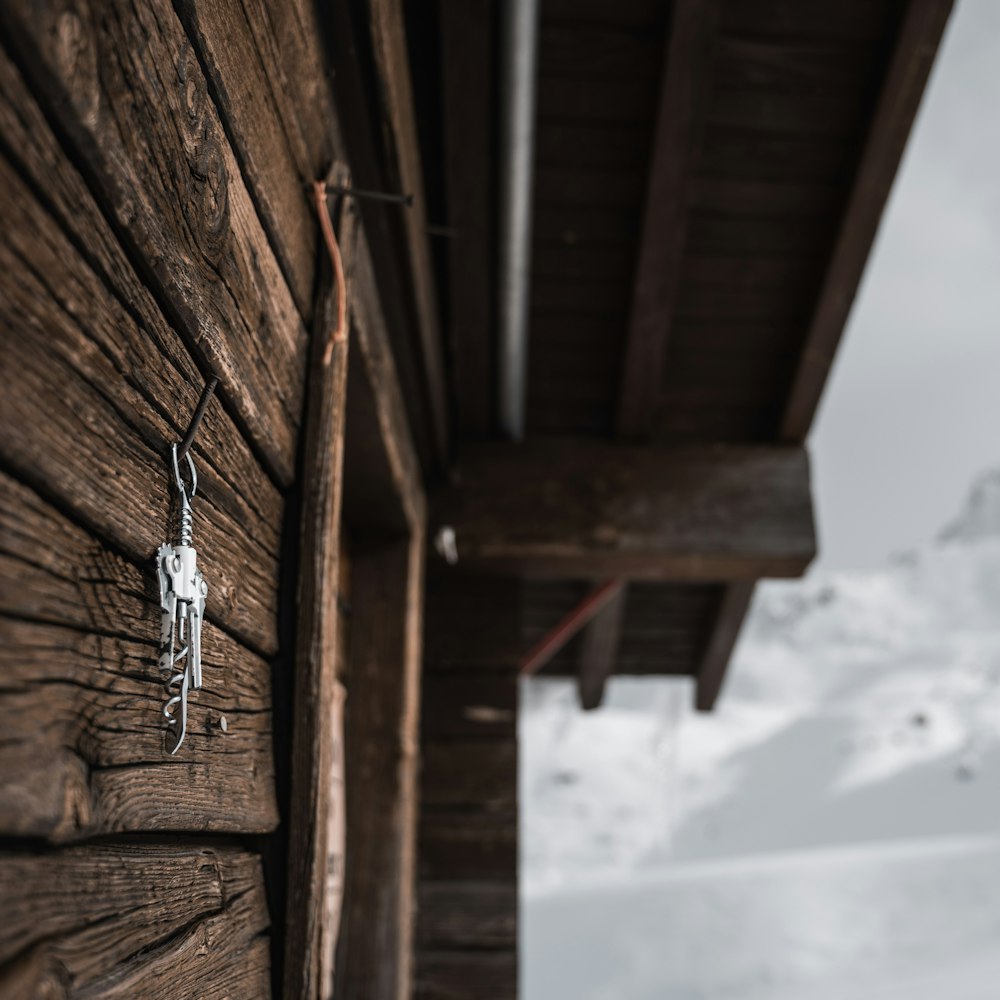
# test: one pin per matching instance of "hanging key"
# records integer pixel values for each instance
(182, 608)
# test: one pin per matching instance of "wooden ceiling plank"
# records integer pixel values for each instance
(917, 41)
(676, 142)
(575, 509)
(599, 651)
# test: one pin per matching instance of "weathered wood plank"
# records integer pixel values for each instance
(376, 356)
(133, 105)
(392, 71)
(84, 749)
(712, 670)
(680, 123)
(596, 659)
(150, 355)
(477, 704)
(468, 914)
(561, 508)
(349, 45)
(469, 772)
(916, 44)
(106, 382)
(383, 684)
(462, 844)
(289, 43)
(242, 85)
(123, 921)
(467, 83)
(467, 975)
(314, 866)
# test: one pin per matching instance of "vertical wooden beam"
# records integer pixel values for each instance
(375, 949)
(467, 90)
(712, 670)
(917, 42)
(676, 147)
(598, 649)
(308, 949)
(393, 70)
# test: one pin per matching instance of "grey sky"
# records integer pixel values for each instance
(912, 411)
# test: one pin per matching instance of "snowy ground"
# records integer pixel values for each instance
(915, 921)
(829, 832)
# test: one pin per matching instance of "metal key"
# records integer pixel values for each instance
(182, 609)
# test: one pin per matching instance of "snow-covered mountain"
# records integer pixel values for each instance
(861, 709)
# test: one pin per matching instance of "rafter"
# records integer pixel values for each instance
(917, 41)
(676, 144)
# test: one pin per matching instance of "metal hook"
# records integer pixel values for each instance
(186, 497)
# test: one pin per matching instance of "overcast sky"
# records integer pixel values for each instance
(912, 411)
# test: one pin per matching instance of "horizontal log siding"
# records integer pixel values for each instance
(467, 902)
(157, 229)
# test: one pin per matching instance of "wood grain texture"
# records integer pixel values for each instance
(466, 975)
(90, 415)
(382, 752)
(147, 353)
(680, 121)
(459, 844)
(591, 510)
(310, 940)
(916, 45)
(133, 105)
(85, 750)
(123, 921)
(247, 88)
(468, 914)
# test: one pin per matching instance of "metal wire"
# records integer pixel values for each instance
(199, 412)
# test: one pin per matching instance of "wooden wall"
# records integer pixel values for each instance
(154, 160)
(467, 916)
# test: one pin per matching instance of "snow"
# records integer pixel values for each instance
(899, 920)
(831, 830)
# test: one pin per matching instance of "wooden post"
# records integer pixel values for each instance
(381, 742)
(311, 891)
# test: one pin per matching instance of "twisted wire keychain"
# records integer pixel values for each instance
(182, 590)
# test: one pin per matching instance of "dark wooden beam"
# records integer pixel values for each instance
(919, 35)
(676, 146)
(598, 648)
(467, 82)
(593, 510)
(315, 854)
(712, 670)
(383, 692)
(392, 65)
